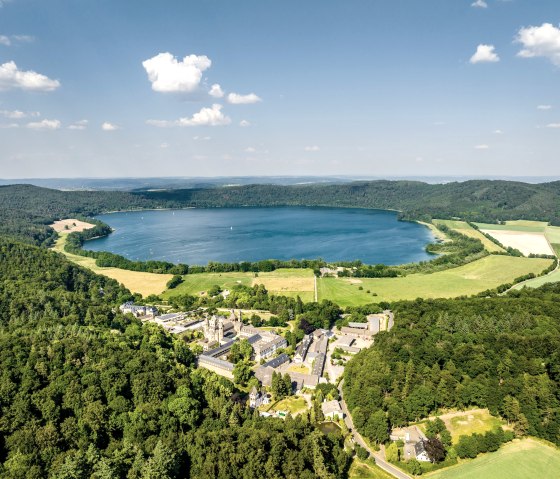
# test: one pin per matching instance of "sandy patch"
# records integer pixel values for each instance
(354, 281)
(70, 225)
(527, 243)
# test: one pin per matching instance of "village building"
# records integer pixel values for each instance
(332, 410)
(258, 398)
(138, 311)
(302, 349)
(414, 442)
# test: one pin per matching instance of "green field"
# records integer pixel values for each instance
(527, 227)
(472, 278)
(464, 228)
(135, 281)
(520, 459)
(364, 470)
(286, 282)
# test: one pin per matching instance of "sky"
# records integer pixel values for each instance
(114, 88)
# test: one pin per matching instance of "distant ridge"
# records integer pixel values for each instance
(27, 210)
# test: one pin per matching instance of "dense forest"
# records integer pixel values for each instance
(86, 392)
(500, 353)
(26, 210)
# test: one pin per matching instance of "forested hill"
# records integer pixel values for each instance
(86, 392)
(480, 200)
(26, 210)
(499, 353)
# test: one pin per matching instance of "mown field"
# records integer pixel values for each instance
(464, 228)
(364, 470)
(135, 281)
(487, 273)
(286, 282)
(520, 459)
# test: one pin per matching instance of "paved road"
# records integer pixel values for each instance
(379, 456)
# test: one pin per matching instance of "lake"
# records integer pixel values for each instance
(200, 235)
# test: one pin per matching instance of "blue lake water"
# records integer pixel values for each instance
(197, 236)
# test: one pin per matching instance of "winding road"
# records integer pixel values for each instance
(356, 436)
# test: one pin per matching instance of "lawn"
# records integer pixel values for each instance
(486, 273)
(364, 470)
(476, 421)
(135, 281)
(520, 459)
(465, 229)
(293, 404)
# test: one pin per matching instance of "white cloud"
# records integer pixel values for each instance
(250, 149)
(485, 54)
(167, 74)
(498, 132)
(216, 91)
(79, 125)
(164, 145)
(553, 125)
(11, 78)
(479, 4)
(244, 123)
(106, 126)
(18, 115)
(312, 148)
(9, 40)
(44, 125)
(543, 41)
(481, 147)
(9, 125)
(544, 107)
(205, 117)
(237, 99)
(23, 38)
(202, 138)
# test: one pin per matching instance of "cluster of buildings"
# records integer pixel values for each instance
(137, 310)
(367, 330)
(220, 333)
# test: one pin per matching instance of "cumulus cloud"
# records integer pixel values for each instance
(312, 148)
(13, 78)
(481, 147)
(168, 75)
(553, 125)
(44, 125)
(79, 125)
(4, 40)
(106, 126)
(543, 41)
(479, 4)
(485, 54)
(216, 91)
(205, 117)
(544, 107)
(237, 99)
(244, 123)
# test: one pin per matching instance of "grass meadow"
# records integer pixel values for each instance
(520, 459)
(472, 278)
